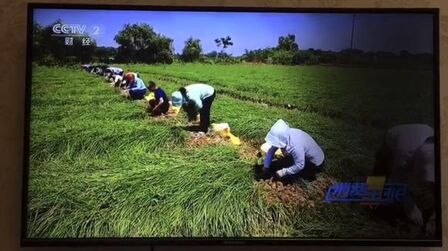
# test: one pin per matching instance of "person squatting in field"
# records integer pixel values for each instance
(196, 98)
(303, 157)
(160, 104)
(118, 80)
(99, 69)
(112, 72)
(407, 156)
(135, 87)
(122, 82)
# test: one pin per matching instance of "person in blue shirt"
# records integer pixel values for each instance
(196, 98)
(303, 156)
(161, 103)
(136, 88)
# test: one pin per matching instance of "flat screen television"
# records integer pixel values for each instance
(217, 125)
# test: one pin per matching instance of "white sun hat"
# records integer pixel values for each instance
(177, 99)
(278, 134)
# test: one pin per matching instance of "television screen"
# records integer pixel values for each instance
(231, 125)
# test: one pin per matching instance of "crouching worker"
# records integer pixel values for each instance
(407, 156)
(117, 80)
(135, 88)
(111, 72)
(160, 104)
(303, 156)
(196, 98)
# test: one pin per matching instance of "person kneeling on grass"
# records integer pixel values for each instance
(135, 89)
(196, 98)
(160, 104)
(303, 156)
(124, 83)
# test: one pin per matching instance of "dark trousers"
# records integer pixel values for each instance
(138, 94)
(161, 109)
(383, 159)
(308, 172)
(205, 113)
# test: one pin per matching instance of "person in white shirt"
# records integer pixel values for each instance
(117, 80)
(115, 70)
(297, 145)
(407, 156)
(196, 98)
(402, 141)
(111, 73)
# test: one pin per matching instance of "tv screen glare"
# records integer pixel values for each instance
(155, 125)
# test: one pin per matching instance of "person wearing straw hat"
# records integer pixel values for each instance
(303, 156)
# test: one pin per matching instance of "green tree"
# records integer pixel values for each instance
(105, 54)
(223, 42)
(287, 43)
(140, 43)
(192, 50)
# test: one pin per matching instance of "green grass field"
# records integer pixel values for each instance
(100, 167)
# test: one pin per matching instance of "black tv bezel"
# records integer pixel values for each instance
(151, 241)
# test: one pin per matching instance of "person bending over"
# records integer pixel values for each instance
(303, 156)
(196, 98)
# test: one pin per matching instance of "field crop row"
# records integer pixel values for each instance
(99, 167)
(377, 97)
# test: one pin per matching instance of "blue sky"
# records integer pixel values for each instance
(373, 32)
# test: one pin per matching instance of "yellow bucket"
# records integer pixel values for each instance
(223, 130)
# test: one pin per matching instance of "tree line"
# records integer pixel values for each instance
(139, 43)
